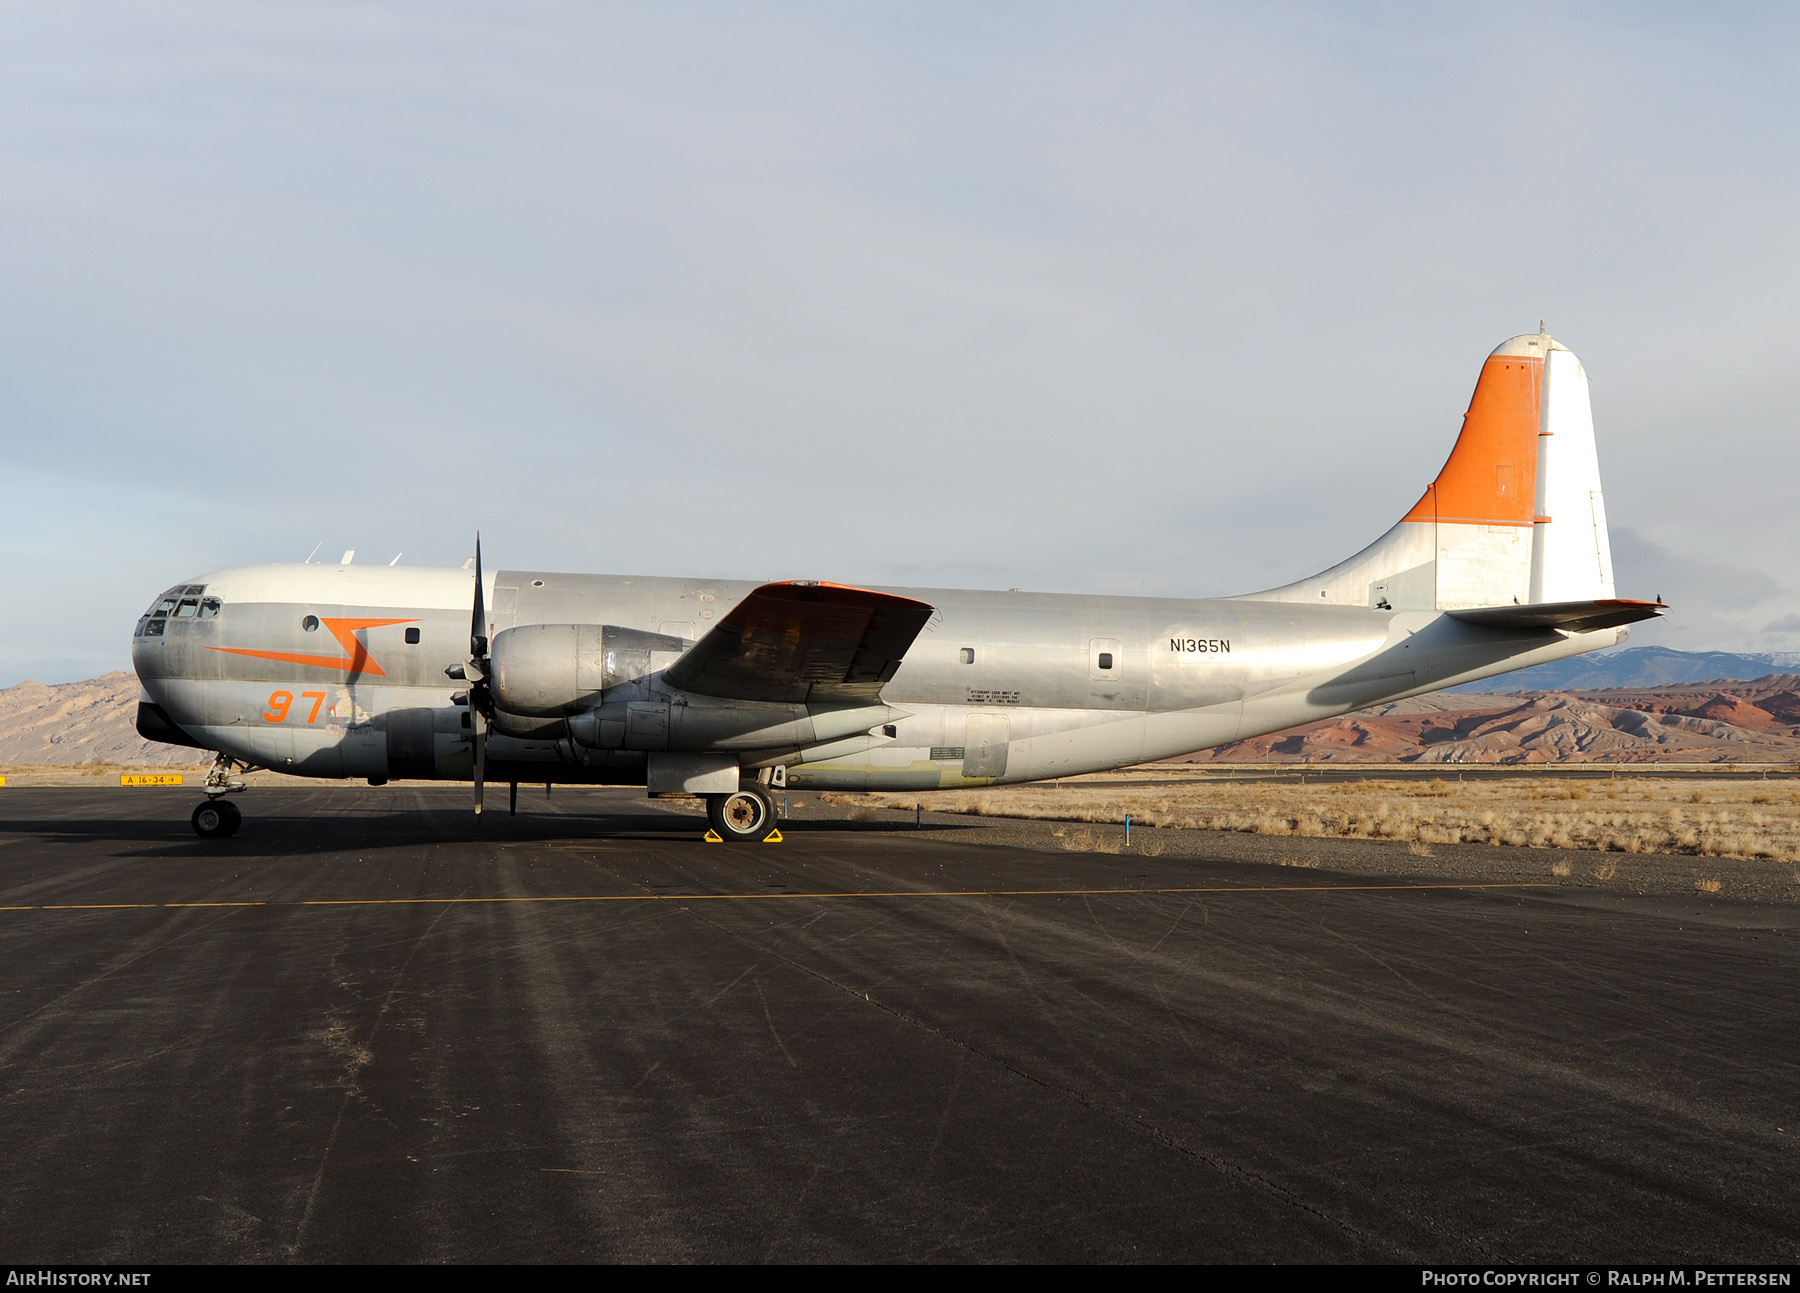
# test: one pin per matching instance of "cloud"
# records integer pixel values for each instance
(1717, 585)
(1188, 299)
(1714, 604)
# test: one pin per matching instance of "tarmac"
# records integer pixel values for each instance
(369, 1028)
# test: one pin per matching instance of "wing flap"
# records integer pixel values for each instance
(1575, 617)
(802, 641)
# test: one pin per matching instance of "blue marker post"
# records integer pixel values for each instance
(918, 816)
(1127, 830)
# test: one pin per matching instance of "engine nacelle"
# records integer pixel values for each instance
(550, 670)
(710, 723)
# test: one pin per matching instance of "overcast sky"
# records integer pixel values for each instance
(1179, 299)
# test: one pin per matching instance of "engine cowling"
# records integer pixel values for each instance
(551, 670)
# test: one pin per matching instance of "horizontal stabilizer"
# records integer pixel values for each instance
(799, 642)
(1575, 617)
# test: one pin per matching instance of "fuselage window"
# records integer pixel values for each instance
(310, 623)
(154, 629)
(412, 637)
(209, 608)
(1105, 660)
(968, 655)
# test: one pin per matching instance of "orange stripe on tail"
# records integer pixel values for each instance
(1491, 475)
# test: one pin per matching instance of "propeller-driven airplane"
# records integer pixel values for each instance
(727, 689)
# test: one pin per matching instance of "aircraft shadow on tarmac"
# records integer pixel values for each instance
(278, 835)
(844, 826)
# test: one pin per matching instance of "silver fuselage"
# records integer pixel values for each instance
(283, 670)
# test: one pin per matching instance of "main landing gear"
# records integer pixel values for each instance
(218, 818)
(745, 817)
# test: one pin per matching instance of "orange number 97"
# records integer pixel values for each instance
(279, 704)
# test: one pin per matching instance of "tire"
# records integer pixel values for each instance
(216, 819)
(745, 817)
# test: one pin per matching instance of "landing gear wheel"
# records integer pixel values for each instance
(217, 818)
(746, 817)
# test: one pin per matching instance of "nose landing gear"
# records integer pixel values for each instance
(216, 818)
(219, 818)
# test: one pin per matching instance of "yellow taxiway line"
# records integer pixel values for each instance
(744, 897)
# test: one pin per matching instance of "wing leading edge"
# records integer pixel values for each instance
(802, 641)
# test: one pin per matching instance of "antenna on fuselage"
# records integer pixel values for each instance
(349, 556)
(396, 560)
(313, 553)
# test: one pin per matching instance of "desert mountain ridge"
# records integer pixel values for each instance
(1725, 721)
(1640, 666)
(91, 722)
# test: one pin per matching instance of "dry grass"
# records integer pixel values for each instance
(1729, 818)
(1708, 885)
(25, 775)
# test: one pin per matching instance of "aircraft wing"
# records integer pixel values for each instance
(802, 641)
(1576, 617)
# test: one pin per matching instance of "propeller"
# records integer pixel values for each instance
(479, 697)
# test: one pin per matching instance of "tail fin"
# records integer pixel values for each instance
(1515, 517)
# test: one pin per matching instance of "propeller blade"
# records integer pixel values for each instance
(478, 620)
(475, 672)
(478, 722)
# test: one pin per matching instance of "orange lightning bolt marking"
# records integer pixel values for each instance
(358, 659)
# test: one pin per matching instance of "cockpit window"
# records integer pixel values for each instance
(182, 602)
